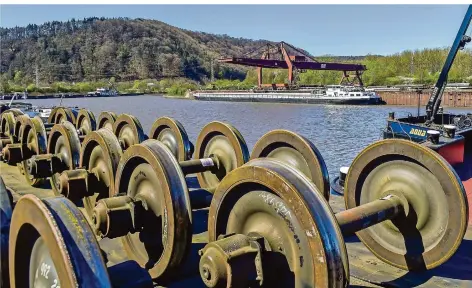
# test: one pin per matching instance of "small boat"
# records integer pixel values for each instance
(27, 108)
(101, 92)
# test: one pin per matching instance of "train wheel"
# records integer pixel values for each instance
(269, 224)
(129, 131)
(106, 119)
(51, 245)
(295, 150)
(224, 141)
(85, 122)
(172, 133)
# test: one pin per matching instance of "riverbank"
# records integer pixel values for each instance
(50, 96)
(451, 99)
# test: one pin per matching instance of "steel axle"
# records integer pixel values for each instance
(117, 216)
(221, 260)
(236, 259)
(361, 217)
(79, 183)
(211, 163)
(15, 153)
(46, 165)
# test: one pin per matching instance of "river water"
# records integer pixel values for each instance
(339, 132)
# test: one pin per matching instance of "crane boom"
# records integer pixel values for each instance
(461, 40)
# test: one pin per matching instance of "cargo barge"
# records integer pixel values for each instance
(333, 94)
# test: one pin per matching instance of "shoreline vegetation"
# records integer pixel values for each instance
(149, 56)
(419, 67)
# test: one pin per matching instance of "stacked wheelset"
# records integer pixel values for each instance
(104, 145)
(269, 221)
(32, 138)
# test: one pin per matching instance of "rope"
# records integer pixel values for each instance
(405, 131)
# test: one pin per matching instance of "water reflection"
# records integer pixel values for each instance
(339, 132)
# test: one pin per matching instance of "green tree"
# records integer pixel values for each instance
(18, 78)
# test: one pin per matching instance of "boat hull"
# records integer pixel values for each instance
(292, 99)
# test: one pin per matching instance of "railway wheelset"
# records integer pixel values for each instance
(269, 221)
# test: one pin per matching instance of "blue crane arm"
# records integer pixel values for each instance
(461, 39)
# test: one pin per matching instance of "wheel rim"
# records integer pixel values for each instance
(85, 121)
(171, 132)
(64, 114)
(297, 151)
(52, 116)
(106, 120)
(54, 238)
(225, 142)
(101, 153)
(436, 218)
(6, 210)
(129, 131)
(34, 135)
(269, 191)
(8, 125)
(150, 173)
(19, 126)
(64, 141)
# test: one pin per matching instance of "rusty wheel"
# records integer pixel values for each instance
(129, 131)
(100, 155)
(64, 141)
(172, 133)
(6, 210)
(288, 221)
(436, 218)
(224, 141)
(148, 172)
(12, 152)
(295, 150)
(52, 116)
(60, 114)
(85, 122)
(53, 239)
(33, 136)
(19, 124)
(16, 111)
(106, 119)
(8, 127)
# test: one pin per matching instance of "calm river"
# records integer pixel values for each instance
(339, 132)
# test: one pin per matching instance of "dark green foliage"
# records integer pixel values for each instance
(99, 48)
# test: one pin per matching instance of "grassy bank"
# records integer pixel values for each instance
(174, 87)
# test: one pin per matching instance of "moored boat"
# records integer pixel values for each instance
(333, 94)
(102, 92)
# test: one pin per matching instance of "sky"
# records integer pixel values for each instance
(319, 29)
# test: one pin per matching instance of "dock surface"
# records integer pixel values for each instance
(365, 269)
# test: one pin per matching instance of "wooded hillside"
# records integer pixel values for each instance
(99, 48)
